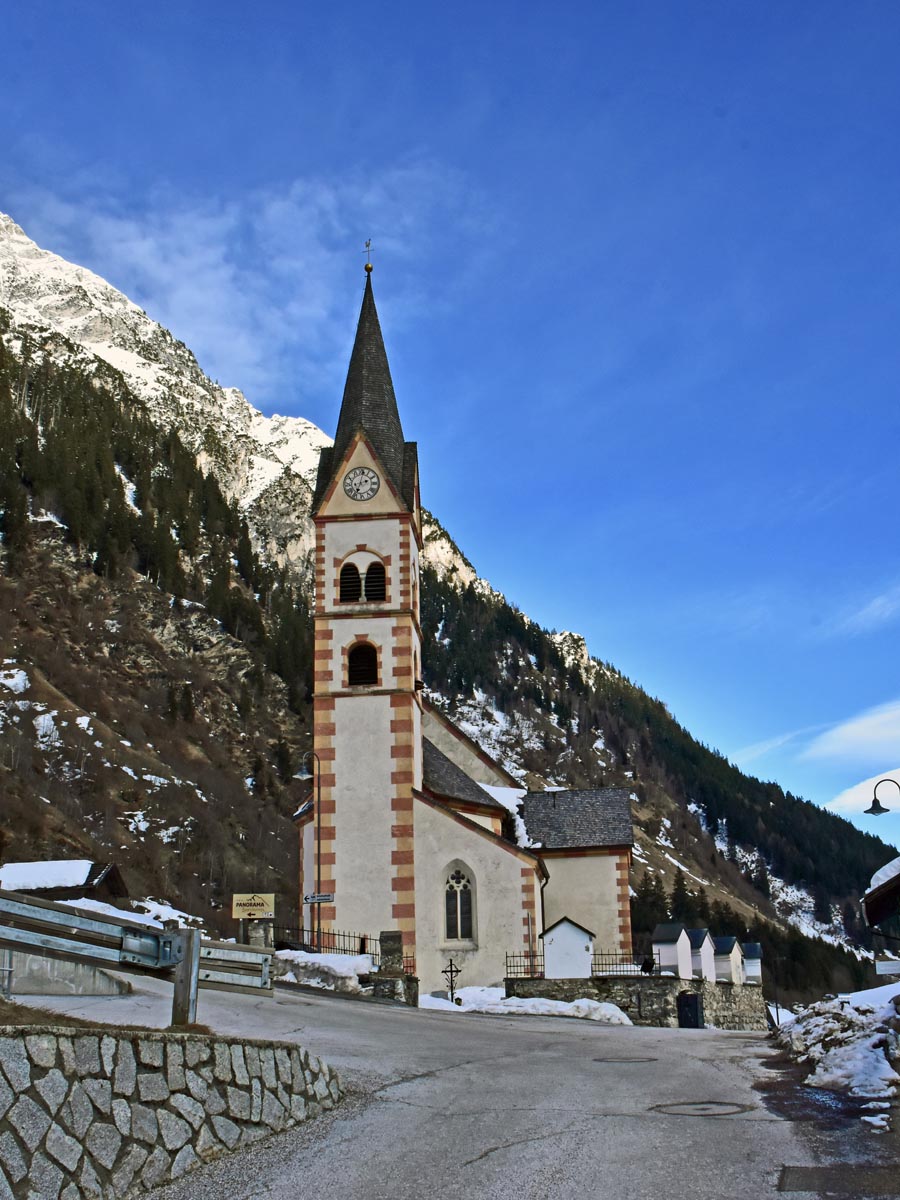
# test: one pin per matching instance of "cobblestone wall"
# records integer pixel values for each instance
(654, 1000)
(111, 1115)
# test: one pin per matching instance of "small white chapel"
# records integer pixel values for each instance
(412, 834)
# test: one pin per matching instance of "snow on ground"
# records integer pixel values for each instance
(494, 1000)
(852, 1044)
(333, 972)
(13, 679)
(155, 912)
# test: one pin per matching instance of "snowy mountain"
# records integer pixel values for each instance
(267, 464)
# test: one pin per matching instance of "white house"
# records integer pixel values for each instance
(672, 946)
(752, 962)
(703, 954)
(568, 950)
(729, 960)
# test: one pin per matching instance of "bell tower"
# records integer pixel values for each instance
(366, 702)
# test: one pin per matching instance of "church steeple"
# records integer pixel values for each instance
(369, 406)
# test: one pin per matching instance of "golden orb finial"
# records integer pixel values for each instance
(368, 268)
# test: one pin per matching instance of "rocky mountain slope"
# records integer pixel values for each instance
(155, 675)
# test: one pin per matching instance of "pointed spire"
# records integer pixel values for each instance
(369, 403)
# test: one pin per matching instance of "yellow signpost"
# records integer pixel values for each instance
(253, 906)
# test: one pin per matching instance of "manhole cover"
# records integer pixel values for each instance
(625, 1060)
(701, 1108)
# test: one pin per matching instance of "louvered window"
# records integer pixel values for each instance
(351, 584)
(458, 900)
(375, 582)
(362, 665)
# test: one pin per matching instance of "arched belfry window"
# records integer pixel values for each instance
(351, 584)
(458, 902)
(375, 582)
(362, 665)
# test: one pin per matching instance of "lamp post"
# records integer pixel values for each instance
(876, 808)
(306, 773)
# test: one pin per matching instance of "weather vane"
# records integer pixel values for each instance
(368, 254)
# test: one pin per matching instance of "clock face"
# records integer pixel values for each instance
(361, 483)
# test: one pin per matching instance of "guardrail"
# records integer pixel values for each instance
(64, 931)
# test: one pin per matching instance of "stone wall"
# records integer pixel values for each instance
(654, 1000)
(95, 1115)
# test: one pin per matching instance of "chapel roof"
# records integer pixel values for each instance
(725, 945)
(370, 406)
(582, 817)
(668, 931)
(443, 777)
(698, 937)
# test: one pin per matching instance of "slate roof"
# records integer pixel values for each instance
(698, 937)
(445, 778)
(724, 945)
(369, 405)
(669, 931)
(570, 819)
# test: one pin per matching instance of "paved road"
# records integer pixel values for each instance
(509, 1108)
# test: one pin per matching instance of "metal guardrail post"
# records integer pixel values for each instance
(6, 974)
(187, 980)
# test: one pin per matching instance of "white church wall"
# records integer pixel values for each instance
(460, 752)
(497, 875)
(378, 630)
(585, 889)
(363, 816)
(308, 861)
(342, 539)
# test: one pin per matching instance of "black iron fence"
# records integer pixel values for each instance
(525, 966)
(611, 963)
(531, 966)
(334, 942)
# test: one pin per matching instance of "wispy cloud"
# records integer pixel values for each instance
(257, 285)
(871, 737)
(880, 610)
(757, 750)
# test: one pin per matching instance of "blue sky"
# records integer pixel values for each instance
(636, 267)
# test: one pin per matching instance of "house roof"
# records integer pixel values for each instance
(443, 777)
(725, 945)
(568, 921)
(61, 873)
(369, 405)
(669, 931)
(698, 937)
(752, 950)
(588, 817)
(882, 900)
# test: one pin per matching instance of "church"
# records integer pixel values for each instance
(415, 831)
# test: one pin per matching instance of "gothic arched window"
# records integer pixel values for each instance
(351, 584)
(458, 901)
(362, 665)
(375, 582)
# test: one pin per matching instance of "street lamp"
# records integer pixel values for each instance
(305, 772)
(877, 808)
